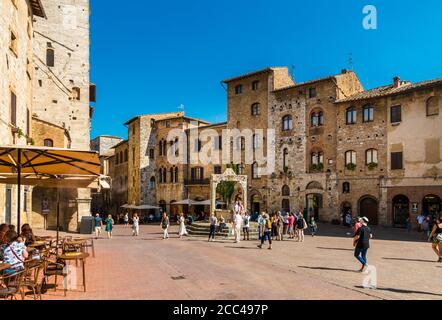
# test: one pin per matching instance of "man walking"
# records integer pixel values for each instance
(362, 243)
(237, 227)
(266, 231)
(213, 223)
(165, 225)
(126, 220)
(98, 226)
(246, 227)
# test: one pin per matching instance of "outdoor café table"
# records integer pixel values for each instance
(38, 244)
(87, 242)
(77, 256)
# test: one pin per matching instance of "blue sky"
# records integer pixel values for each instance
(152, 56)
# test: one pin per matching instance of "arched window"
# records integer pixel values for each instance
(346, 187)
(317, 158)
(76, 93)
(152, 185)
(314, 119)
(161, 147)
(255, 173)
(371, 156)
(433, 106)
(241, 169)
(256, 109)
(50, 57)
(285, 191)
(286, 205)
(176, 174)
(285, 154)
(164, 175)
(164, 148)
(172, 175)
(160, 175)
(321, 118)
(49, 143)
(351, 115)
(350, 157)
(287, 123)
(256, 141)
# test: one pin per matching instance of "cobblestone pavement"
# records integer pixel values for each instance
(322, 267)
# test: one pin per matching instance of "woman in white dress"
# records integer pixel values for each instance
(182, 231)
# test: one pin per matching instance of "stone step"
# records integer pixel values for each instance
(201, 229)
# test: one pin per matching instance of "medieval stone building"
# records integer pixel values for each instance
(16, 82)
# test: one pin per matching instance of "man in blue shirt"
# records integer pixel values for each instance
(98, 225)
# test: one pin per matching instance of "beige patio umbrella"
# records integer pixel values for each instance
(48, 167)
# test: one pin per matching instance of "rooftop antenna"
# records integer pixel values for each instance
(293, 72)
(350, 61)
(181, 107)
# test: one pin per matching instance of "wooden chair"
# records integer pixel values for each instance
(54, 268)
(10, 285)
(33, 270)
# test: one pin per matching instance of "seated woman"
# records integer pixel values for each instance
(27, 235)
(14, 253)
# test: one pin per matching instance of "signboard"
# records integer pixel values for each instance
(45, 207)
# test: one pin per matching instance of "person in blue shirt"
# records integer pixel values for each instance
(98, 225)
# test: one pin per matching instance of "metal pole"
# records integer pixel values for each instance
(58, 218)
(19, 189)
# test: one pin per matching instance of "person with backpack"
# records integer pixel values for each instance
(246, 226)
(301, 225)
(361, 243)
(266, 231)
(165, 225)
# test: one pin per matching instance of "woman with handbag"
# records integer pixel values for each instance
(436, 237)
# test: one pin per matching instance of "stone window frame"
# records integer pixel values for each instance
(350, 157)
(50, 56)
(255, 170)
(285, 191)
(351, 115)
(312, 92)
(255, 85)
(397, 160)
(427, 106)
(317, 118)
(317, 157)
(371, 113)
(238, 89)
(346, 187)
(255, 109)
(48, 143)
(371, 155)
(396, 114)
(287, 122)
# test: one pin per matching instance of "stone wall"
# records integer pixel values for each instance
(42, 130)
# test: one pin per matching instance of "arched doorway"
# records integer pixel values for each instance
(256, 204)
(345, 210)
(313, 204)
(401, 211)
(368, 207)
(431, 205)
(285, 205)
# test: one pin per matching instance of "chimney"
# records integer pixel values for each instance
(397, 82)
(344, 71)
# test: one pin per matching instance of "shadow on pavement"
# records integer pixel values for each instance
(404, 291)
(330, 269)
(379, 233)
(245, 248)
(404, 259)
(340, 249)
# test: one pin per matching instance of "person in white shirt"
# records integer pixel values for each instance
(237, 223)
(136, 225)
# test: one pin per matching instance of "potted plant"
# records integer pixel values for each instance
(351, 166)
(372, 165)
